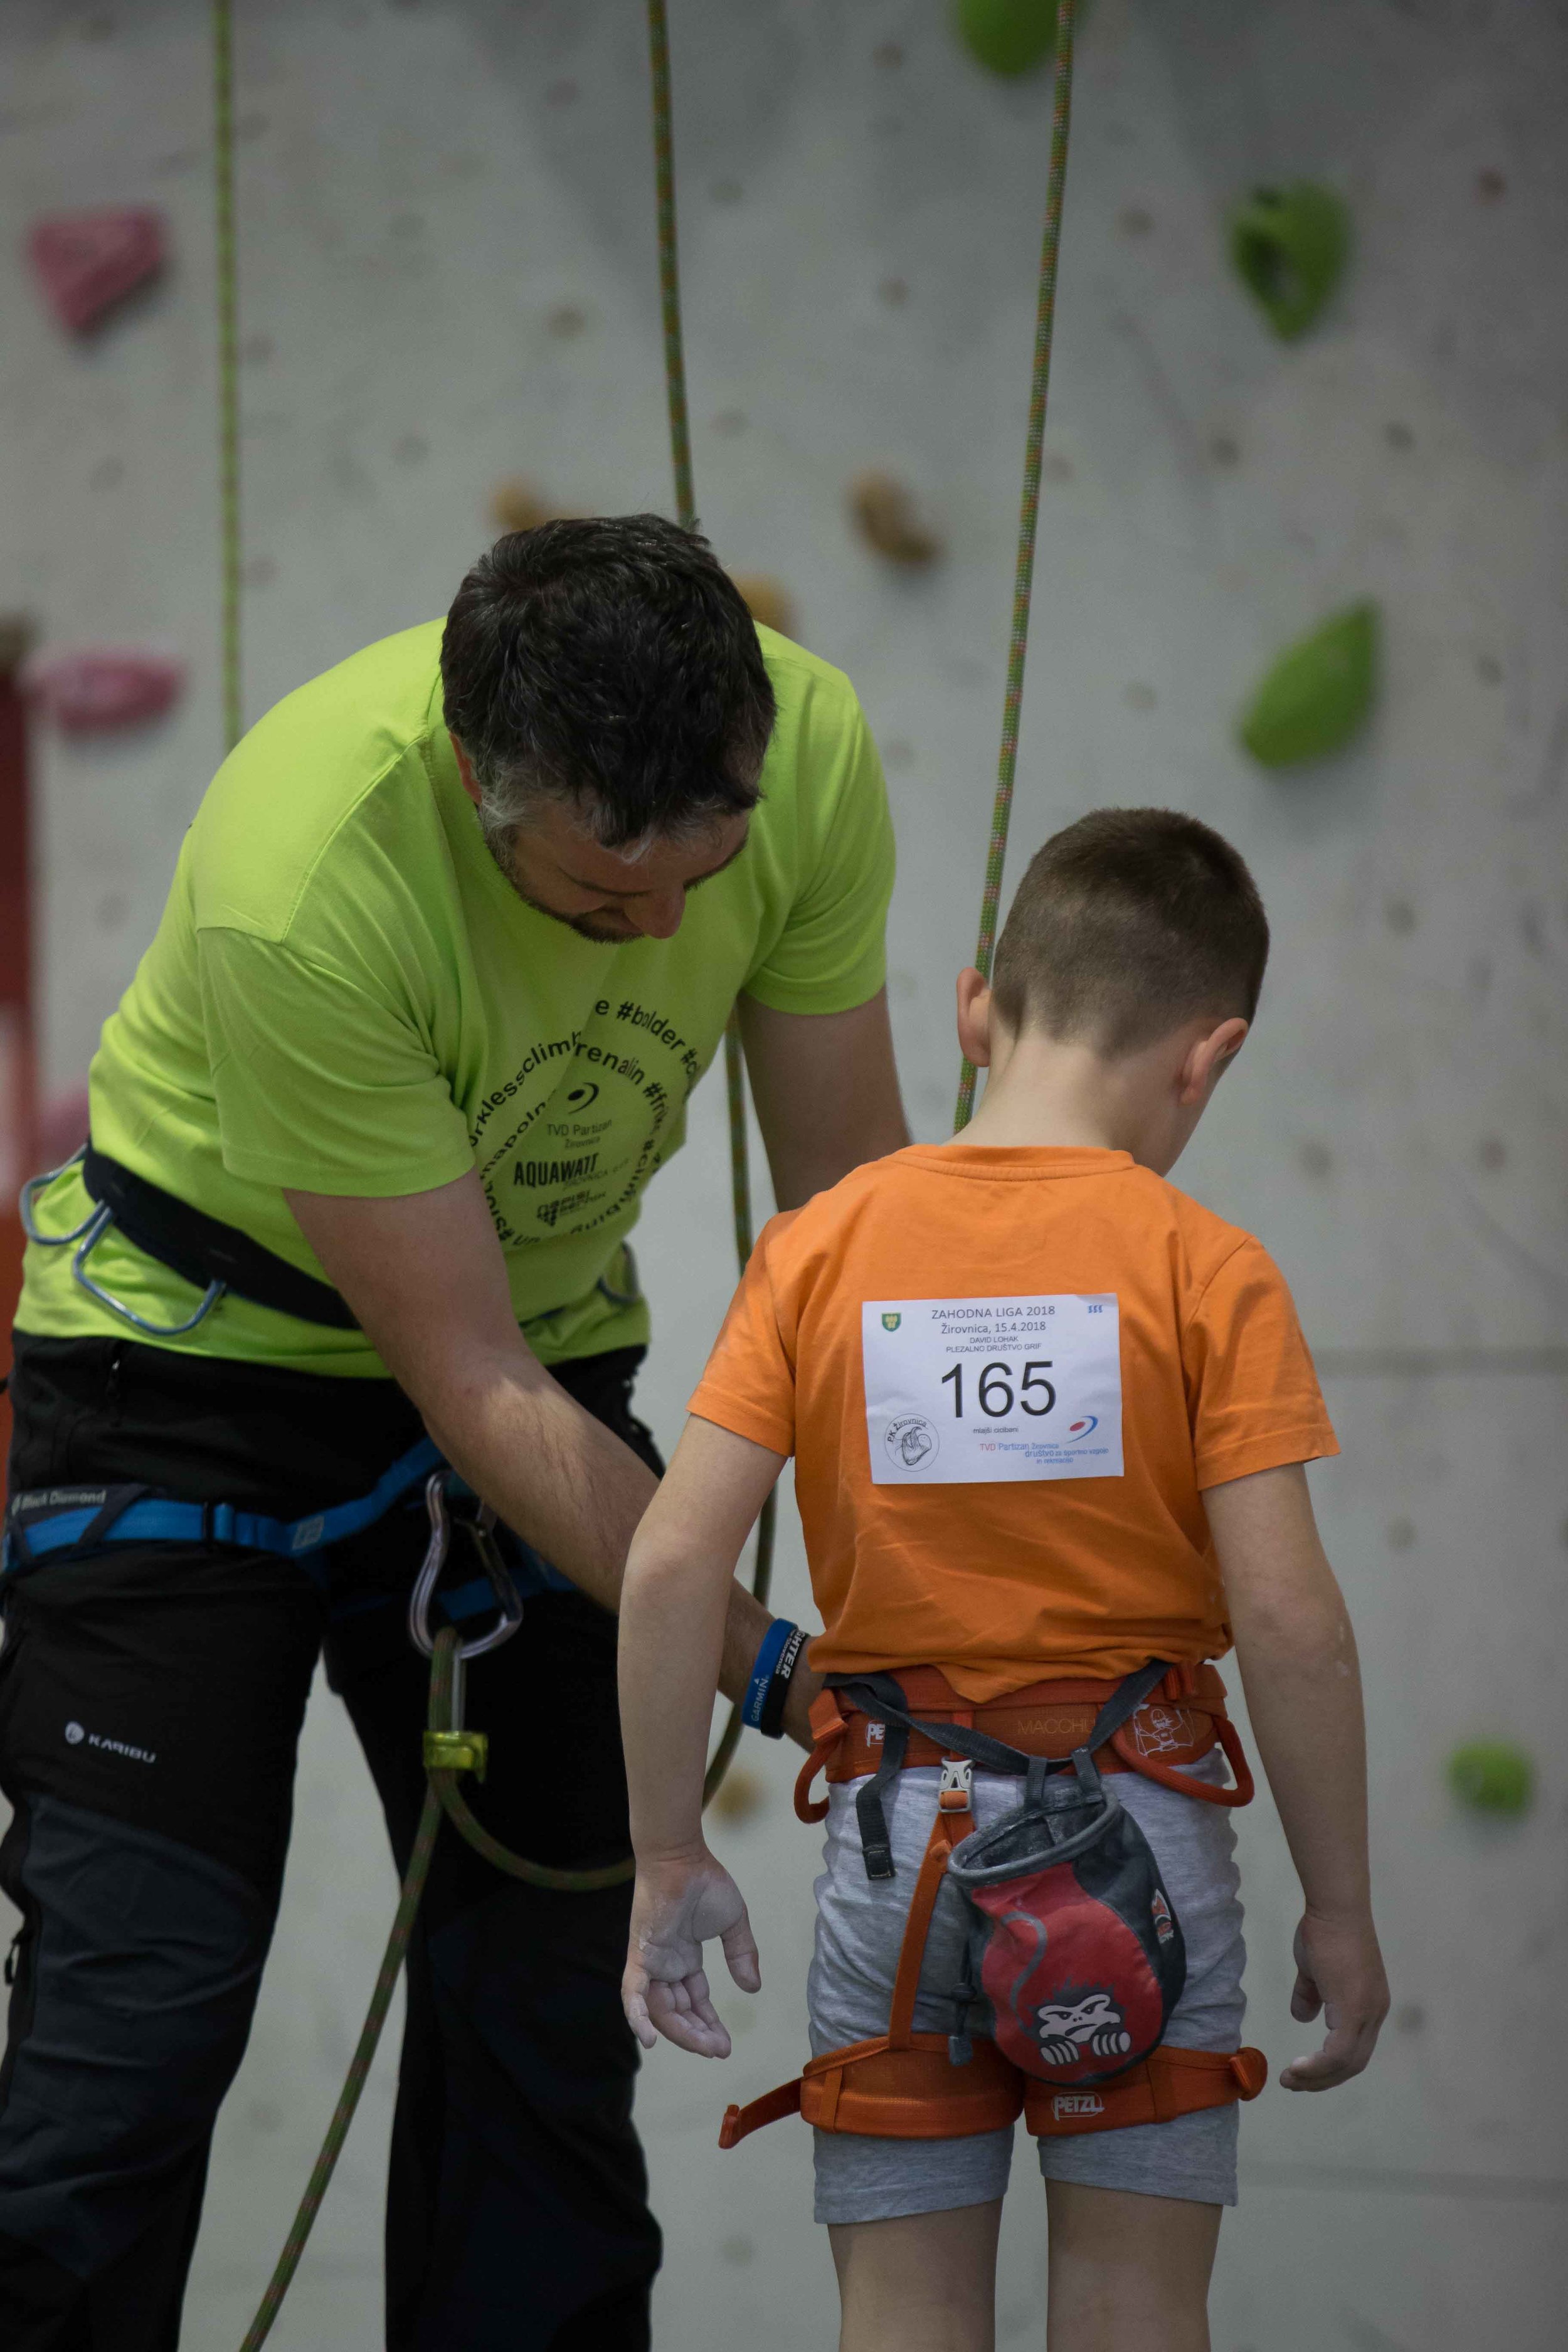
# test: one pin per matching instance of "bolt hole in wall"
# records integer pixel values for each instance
(1297, 571)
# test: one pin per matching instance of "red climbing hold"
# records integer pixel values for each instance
(92, 693)
(62, 1127)
(86, 262)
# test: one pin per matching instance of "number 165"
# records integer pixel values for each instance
(996, 1383)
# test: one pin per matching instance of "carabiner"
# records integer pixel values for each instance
(29, 1193)
(482, 1531)
(92, 1232)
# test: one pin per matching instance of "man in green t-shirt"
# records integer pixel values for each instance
(455, 932)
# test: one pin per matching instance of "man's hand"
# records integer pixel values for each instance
(676, 1907)
(1338, 1970)
(424, 1275)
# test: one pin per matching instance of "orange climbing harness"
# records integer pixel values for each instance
(902, 2084)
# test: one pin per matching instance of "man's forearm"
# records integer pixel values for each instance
(570, 1488)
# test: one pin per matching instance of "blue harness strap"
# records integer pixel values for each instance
(84, 1518)
(53, 1520)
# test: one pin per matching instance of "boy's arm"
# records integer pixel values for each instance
(673, 1602)
(1298, 1660)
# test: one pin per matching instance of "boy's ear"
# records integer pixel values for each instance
(1208, 1059)
(974, 1017)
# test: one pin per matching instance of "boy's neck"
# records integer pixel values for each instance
(1042, 1093)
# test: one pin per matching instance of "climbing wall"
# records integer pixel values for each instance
(448, 284)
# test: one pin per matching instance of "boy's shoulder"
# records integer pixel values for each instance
(1208, 1238)
(1204, 1245)
(822, 1221)
(1158, 1217)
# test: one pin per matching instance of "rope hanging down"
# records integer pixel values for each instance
(686, 511)
(1029, 516)
(442, 1794)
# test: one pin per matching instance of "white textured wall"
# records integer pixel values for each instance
(429, 196)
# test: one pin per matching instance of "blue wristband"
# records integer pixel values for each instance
(768, 1656)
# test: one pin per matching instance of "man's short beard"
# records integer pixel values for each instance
(498, 842)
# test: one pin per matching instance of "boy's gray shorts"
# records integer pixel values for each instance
(860, 1927)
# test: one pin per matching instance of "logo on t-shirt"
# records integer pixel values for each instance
(911, 1441)
(891, 1322)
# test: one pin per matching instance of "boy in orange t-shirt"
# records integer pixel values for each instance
(1049, 1418)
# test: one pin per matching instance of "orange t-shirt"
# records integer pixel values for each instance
(1006, 1376)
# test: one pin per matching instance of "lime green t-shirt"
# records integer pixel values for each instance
(345, 996)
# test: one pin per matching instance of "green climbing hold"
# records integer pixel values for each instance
(1289, 247)
(1319, 692)
(1011, 37)
(1493, 1777)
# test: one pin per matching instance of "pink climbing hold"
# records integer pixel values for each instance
(92, 693)
(86, 262)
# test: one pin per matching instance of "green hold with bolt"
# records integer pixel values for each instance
(1289, 247)
(1010, 37)
(1317, 694)
(1493, 1776)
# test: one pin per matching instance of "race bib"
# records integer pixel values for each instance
(962, 1390)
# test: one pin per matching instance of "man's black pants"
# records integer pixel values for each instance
(150, 1699)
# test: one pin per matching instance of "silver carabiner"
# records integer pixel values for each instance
(508, 1600)
(91, 1233)
(88, 1235)
(29, 1193)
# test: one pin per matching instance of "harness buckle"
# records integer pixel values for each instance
(955, 1793)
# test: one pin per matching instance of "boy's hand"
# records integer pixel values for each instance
(675, 1906)
(1338, 1969)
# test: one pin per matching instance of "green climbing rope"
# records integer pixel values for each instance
(447, 1792)
(227, 272)
(686, 512)
(443, 1794)
(321, 2171)
(669, 263)
(1028, 518)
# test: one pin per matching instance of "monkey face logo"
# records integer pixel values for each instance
(1074, 2030)
(911, 1441)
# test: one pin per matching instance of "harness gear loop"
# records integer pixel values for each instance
(1229, 1740)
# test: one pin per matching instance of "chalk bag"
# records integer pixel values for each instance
(1074, 1942)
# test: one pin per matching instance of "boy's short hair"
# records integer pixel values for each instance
(1128, 924)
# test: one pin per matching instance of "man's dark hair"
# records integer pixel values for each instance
(611, 663)
(1128, 924)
